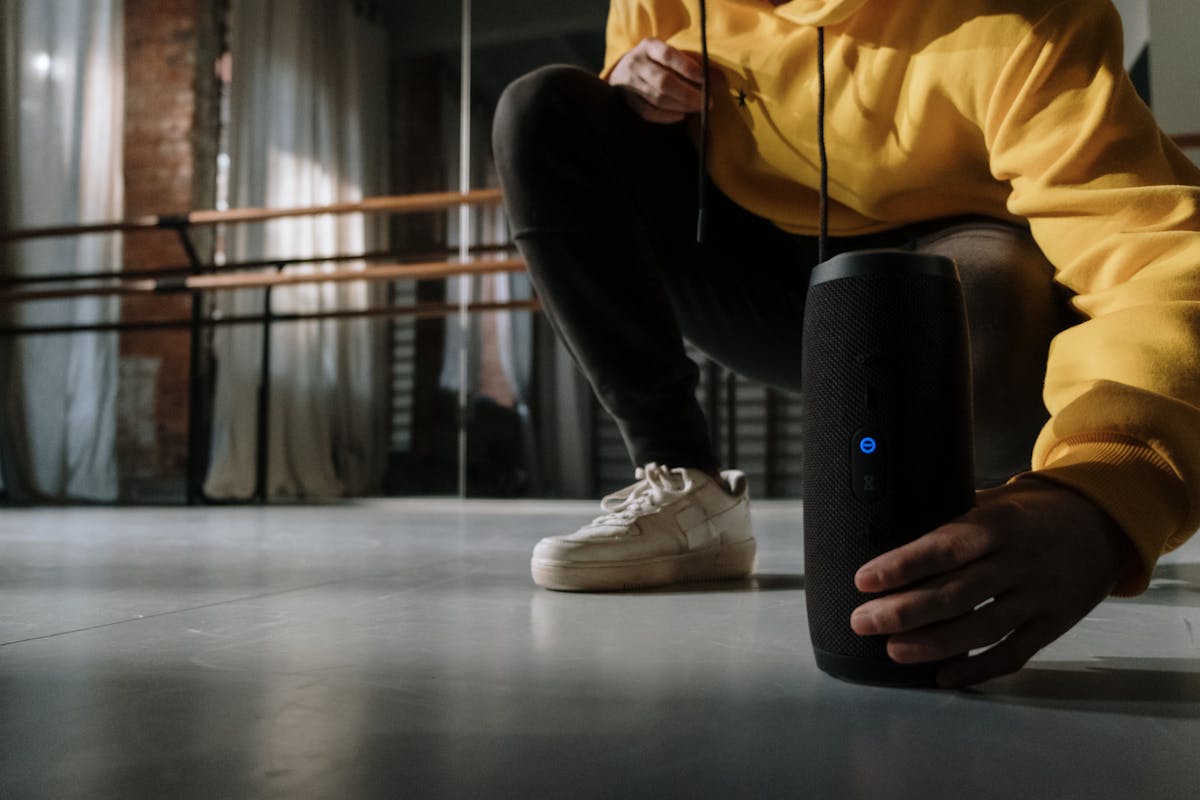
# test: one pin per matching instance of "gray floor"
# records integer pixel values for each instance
(398, 649)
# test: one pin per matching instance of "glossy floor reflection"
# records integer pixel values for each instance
(399, 649)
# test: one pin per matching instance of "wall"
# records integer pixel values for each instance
(171, 128)
(1175, 66)
(1135, 19)
(424, 27)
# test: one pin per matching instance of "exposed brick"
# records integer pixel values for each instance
(170, 46)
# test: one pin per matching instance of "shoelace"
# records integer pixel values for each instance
(656, 486)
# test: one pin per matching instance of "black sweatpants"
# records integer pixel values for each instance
(603, 209)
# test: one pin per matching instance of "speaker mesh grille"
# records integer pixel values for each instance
(903, 337)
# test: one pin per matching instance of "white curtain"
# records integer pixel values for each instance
(62, 79)
(307, 128)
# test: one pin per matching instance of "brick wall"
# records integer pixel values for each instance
(171, 135)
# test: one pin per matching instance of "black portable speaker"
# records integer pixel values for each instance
(887, 435)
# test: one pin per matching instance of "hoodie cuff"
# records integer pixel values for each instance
(1136, 486)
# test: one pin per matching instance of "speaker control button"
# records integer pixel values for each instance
(868, 465)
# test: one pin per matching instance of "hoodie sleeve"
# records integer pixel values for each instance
(631, 21)
(628, 24)
(1115, 207)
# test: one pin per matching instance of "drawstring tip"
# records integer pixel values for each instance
(700, 226)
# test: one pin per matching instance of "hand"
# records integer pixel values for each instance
(661, 84)
(1015, 572)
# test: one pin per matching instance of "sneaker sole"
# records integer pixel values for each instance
(723, 562)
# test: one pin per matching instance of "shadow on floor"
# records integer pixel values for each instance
(767, 582)
(1171, 585)
(1168, 687)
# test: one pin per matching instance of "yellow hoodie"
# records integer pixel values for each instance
(1015, 109)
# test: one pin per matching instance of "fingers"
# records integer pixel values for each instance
(674, 60)
(1045, 555)
(666, 90)
(663, 88)
(938, 600)
(660, 83)
(947, 548)
(982, 628)
(1006, 657)
(650, 113)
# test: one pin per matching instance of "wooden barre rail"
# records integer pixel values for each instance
(373, 256)
(1187, 140)
(420, 311)
(227, 282)
(434, 201)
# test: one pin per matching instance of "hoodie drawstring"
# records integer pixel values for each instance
(702, 177)
(823, 201)
(702, 172)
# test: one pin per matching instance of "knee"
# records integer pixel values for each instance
(1014, 307)
(532, 110)
(1007, 282)
(1014, 310)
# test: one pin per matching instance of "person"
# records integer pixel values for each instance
(1002, 133)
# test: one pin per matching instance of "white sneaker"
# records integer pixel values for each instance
(672, 525)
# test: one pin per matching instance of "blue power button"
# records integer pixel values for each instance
(868, 466)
